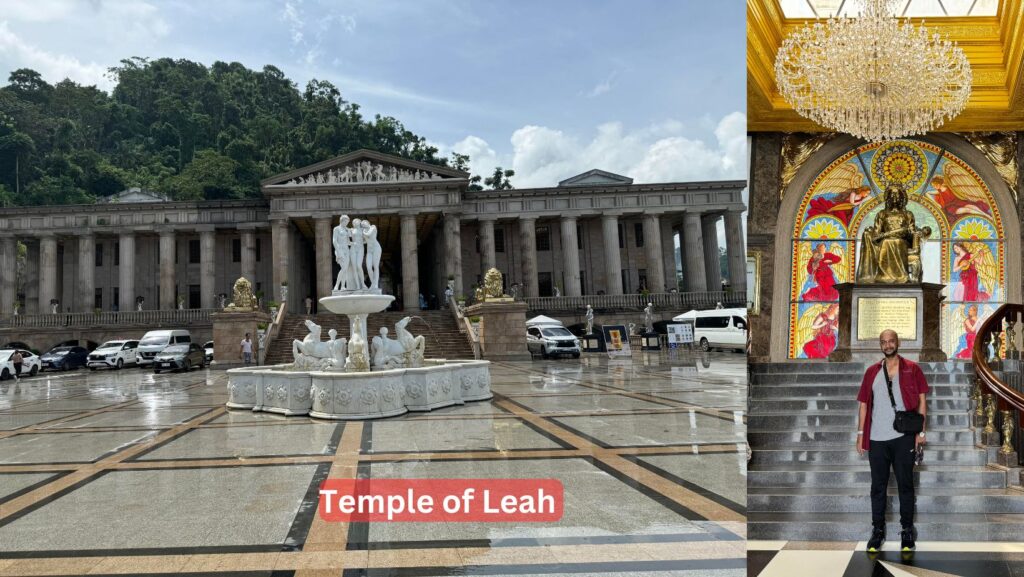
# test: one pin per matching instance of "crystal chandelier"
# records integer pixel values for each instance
(875, 77)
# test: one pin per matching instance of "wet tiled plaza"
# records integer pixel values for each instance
(126, 472)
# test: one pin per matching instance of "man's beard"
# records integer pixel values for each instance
(892, 354)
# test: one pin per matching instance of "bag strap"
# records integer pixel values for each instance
(888, 386)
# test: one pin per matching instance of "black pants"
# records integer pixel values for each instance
(17, 369)
(897, 454)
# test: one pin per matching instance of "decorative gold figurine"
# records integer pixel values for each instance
(979, 409)
(890, 251)
(492, 288)
(990, 413)
(1007, 447)
(1011, 341)
(242, 300)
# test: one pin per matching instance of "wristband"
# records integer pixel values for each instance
(860, 433)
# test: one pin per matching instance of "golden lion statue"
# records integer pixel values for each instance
(492, 287)
(243, 299)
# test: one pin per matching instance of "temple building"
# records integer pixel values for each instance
(143, 251)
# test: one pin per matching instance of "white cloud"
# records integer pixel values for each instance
(290, 16)
(603, 86)
(53, 67)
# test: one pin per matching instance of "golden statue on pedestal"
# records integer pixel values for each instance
(890, 250)
(492, 287)
(243, 299)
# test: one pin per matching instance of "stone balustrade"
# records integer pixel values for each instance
(127, 318)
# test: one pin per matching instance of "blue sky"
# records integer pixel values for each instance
(653, 89)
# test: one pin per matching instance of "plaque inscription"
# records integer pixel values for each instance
(876, 314)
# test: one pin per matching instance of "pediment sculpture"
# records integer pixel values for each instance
(363, 172)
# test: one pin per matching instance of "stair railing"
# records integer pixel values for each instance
(999, 386)
(271, 332)
(466, 327)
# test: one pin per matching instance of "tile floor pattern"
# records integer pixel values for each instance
(849, 559)
(128, 472)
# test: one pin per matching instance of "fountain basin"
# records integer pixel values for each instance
(356, 303)
(359, 395)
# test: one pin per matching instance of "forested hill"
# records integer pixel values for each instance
(180, 128)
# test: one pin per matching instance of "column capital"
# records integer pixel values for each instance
(611, 215)
(323, 218)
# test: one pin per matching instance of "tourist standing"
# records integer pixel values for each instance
(17, 360)
(309, 305)
(246, 350)
(888, 448)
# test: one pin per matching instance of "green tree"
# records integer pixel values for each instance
(500, 179)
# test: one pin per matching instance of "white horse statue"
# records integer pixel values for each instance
(412, 347)
(387, 353)
(312, 353)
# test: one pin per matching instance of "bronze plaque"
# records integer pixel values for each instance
(876, 314)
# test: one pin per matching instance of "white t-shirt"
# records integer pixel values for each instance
(247, 346)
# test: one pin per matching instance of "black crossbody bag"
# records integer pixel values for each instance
(906, 421)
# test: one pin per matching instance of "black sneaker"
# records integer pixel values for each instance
(877, 539)
(908, 536)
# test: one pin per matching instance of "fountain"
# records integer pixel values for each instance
(358, 378)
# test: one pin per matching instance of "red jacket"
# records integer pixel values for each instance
(912, 385)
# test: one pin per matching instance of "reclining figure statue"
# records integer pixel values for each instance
(313, 354)
(405, 352)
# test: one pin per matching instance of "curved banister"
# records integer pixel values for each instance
(994, 325)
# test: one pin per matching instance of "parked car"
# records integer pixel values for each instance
(114, 354)
(153, 343)
(724, 328)
(63, 358)
(548, 341)
(30, 363)
(208, 347)
(182, 356)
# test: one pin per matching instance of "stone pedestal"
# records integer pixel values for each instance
(594, 343)
(991, 439)
(502, 330)
(1008, 459)
(913, 311)
(978, 421)
(229, 329)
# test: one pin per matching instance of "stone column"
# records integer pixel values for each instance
(126, 272)
(47, 272)
(528, 248)
(612, 257)
(653, 254)
(168, 270)
(453, 251)
(8, 264)
(279, 238)
(735, 251)
(86, 273)
(712, 265)
(488, 259)
(693, 253)
(324, 257)
(207, 268)
(249, 256)
(410, 264)
(571, 257)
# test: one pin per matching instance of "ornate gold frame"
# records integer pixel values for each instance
(754, 308)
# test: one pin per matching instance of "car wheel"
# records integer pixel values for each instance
(120, 364)
(544, 353)
(575, 355)
(5, 375)
(705, 345)
(92, 368)
(63, 366)
(188, 365)
(34, 371)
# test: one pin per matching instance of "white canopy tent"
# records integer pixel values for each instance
(544, 321)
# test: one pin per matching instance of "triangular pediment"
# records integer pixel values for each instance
(596, 177)
(364, 167)
(136, 194)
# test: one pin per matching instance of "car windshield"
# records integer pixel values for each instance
(111, 345)
(176, 349)
(60, 350)
(556, 332)
(151, 341)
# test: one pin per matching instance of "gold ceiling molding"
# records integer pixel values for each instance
(796, 149)
(1001, 149)
(993, 44)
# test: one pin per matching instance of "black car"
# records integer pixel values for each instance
(65, 357)
(179, 356)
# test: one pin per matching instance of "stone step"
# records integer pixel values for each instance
(857, 526)
(837, 420)
(773, 379)
(849, 391)
(844, 404)
(852, 367)
(845, 437)
(944, 454)
(857, 500)
(805, 475)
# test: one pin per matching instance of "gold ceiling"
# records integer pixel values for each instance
(993, 44)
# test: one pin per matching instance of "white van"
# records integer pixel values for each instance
(723, 328)
(155, 341)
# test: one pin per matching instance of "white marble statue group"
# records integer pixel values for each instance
(357, 251)
(350, 355)
(364, 171)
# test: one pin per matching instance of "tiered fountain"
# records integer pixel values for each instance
(353, 378)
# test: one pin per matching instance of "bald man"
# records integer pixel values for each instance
(886, 448)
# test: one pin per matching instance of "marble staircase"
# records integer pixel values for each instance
(806, 481)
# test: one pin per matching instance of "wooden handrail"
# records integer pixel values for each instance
(991, 326)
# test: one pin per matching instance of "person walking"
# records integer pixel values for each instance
(246, 350)
(17, 360)
(891, 392)
(309, 305)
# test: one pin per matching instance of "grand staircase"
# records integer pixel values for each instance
(807, 482)
(438, 327)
